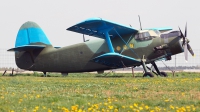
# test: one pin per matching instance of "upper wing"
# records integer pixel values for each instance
(97, 26)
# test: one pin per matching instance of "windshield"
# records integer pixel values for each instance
(157, 32)
(142, 35)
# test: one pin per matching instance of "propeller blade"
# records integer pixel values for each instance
(190, 49)
(181, 33)
(182, 36)
(186, 30)
(186, 52)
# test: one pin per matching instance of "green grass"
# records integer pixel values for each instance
(92, 92)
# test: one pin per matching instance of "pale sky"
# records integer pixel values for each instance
(55, 16)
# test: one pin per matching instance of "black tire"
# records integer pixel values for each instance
(163, 74)
(148, 74)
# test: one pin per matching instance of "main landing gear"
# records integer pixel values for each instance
(150, 74)
(45, 74)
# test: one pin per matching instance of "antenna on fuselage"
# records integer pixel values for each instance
(83, 38)
(140, 22)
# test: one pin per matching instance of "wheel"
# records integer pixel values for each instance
(64, 74)
(163, 74)
(148, 74)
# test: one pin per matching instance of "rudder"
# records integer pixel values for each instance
(31, 33)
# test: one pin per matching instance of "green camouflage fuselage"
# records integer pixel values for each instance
(78, 57)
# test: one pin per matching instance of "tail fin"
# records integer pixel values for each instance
(29, 42)
(30, 36)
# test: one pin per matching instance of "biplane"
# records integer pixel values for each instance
(118, 46)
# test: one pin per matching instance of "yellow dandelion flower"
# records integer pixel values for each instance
(141, 108)
(167, 100)
(43, 107)
(25, 96)
(49, 110)
(152, 111)
(188, 107)
(96, 106)
(157, 109)
(20, 100)
(131, 106)
(124, 107)
(80, 110)
(36, 108)
(183, 109)
(135, 104)
(74, 108)
(110, 107)
(24, 110)
(172, 107)
(37, 96)
(116, 110)
(89, 109)
(146, 107)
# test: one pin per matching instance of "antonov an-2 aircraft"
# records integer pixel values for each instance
(119, 46)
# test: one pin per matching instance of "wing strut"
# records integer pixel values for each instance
(125, 42)
(109, 42)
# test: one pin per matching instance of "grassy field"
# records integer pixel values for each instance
(104, 93)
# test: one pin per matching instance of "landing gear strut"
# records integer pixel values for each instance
(150, 74)
(45, 74)
(146, 73)
(162, 74)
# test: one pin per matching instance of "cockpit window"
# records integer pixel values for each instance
(146, 34)
(143, 36)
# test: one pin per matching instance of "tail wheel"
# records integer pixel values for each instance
(163, 74)
(148, 74)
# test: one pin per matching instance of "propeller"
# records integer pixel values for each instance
(185, 43)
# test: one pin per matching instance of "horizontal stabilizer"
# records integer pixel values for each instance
(27, 47)
(96, 27)
(164, 29)
(115, 60)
